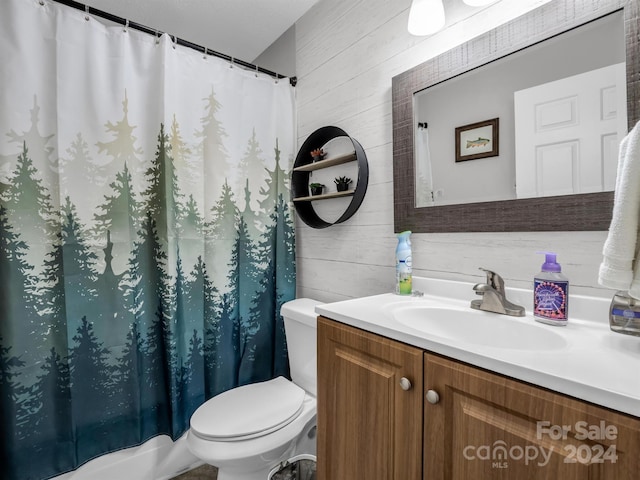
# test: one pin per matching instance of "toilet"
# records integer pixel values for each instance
(249, 432)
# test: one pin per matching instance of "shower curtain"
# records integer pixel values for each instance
(146, 235)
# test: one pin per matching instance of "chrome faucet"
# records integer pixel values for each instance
(494, 298)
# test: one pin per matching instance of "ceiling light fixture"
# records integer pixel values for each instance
(425, 17)
(478, 3)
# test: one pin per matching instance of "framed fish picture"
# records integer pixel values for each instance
(477, 140)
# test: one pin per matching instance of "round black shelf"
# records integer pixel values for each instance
(300, 178)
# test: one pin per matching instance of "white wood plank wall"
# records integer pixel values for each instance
(347, 51)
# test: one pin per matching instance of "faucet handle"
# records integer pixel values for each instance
(494, 280)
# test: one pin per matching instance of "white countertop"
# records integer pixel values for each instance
(596, 365)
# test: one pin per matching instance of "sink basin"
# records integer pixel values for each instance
(479, 327)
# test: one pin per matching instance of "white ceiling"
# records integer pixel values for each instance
(242, 29)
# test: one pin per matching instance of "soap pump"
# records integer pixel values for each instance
(551, 293)
(624, 314)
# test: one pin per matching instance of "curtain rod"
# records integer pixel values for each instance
(179, 41)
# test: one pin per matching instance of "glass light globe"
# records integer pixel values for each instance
(425, 17)
(478, 3)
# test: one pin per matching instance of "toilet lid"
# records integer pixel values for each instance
(249, 411)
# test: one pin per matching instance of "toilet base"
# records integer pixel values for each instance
(279, 472)
(255, 458)
(258, 467)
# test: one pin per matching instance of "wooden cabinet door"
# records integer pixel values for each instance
(488, 427)
(369, 428)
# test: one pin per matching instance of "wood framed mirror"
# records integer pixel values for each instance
(585, 211)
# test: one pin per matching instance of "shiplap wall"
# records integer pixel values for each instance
(347, 51)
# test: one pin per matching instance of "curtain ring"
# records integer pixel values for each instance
(175, 41)
(205, 53)
(231, 64)
(86, 13)
(256, 71)
(157, 37)
(126, 25)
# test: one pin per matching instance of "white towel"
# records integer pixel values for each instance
(620, 268)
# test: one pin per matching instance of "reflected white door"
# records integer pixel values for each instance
(567, 133)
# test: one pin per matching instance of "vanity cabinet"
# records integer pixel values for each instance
(369, 406)
(454, 421)
(487, 426)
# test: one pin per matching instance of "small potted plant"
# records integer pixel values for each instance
(317, 154)
(342, 183)
(316, 188)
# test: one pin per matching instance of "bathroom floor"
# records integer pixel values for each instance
(205, 472)
(305, 470)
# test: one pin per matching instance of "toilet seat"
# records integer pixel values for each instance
(249, 411)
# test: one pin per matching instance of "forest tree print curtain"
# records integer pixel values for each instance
(146, 235)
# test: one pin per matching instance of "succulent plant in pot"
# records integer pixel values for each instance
(316, 188)
(342, 183)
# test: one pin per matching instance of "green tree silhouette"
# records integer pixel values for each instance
(277, 285)
(53, 299)
(243, 282)
(13, 451)
(122, 149)
(149, 294)
(114, 315)
(79, 168)
(220, 236)
(4, 188)
(28, 205)
(179, 324)
(193, 393)
(181, 152)
(210, 148)
(128, 384)
(248, 165)
(284, 248)
(201, 301)
(50, 405)
(228, 347)
(119, 214)
(147, 276)
(192, 221)
(18, 300)
(157, 367)
(70, 276)
(162, 198)
(41, 151)
(277, 182)
(192, 238)
(243, 274)
(90, 376)
(253, 221)
(276, 252)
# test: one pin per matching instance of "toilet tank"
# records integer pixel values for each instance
(300, 329)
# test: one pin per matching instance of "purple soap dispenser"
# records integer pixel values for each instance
(551, 293)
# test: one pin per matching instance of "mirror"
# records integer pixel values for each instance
(508, 210)
(539, 103)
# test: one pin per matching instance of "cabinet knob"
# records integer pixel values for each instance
(432, 397)
(405, 383)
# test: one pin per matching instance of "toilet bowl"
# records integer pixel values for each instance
(248, 431)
